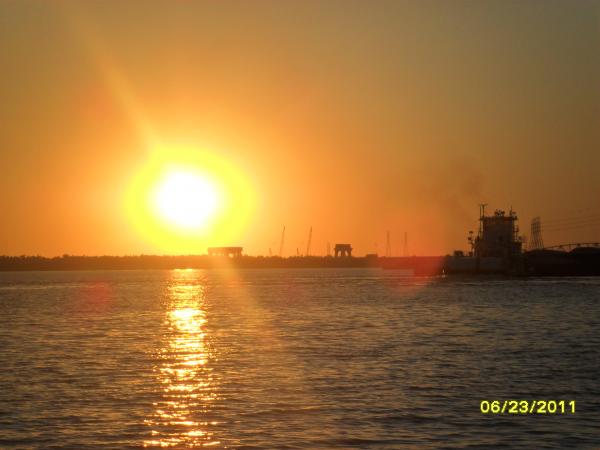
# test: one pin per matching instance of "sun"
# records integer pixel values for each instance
(185, 199)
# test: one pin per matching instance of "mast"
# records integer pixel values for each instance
(281, 242)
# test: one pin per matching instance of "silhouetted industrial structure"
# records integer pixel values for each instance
(343, 250)
(281, 242)
(309, 242)
(388, 245)
(234, 252)
(498, 235)
(535, 240)
(497, 249)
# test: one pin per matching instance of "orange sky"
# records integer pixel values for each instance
(353, 117)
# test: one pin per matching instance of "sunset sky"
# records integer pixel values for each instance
(353, 117)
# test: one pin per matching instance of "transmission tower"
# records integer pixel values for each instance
(536, 242)
(309, 242)
(405, 247)
(281, 242)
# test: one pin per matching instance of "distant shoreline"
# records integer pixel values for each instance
(540, 263)
(166, 262)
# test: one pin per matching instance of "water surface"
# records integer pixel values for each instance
(294, 359)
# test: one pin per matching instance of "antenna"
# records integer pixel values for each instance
(281, 242)
(309, 242)
(388, 245)
(481, 216)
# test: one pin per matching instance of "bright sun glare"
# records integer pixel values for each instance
(185, 199)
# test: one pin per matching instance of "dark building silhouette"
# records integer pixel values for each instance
(235, 252)
(498, 236)
(343, 250)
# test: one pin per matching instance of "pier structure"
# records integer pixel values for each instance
(342, 250)
(229, 252)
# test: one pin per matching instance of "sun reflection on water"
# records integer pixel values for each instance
(188, 388)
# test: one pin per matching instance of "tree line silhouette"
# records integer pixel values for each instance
(168, 262)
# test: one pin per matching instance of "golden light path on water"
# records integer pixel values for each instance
(188, 387)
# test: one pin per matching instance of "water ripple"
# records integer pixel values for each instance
(296, 359)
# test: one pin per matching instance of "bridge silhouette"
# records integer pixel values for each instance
(572, 246)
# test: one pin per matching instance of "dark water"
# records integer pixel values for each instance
(294, 359)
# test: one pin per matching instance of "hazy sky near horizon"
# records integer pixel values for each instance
(353, 117)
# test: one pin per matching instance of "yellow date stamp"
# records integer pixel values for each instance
(527, 406)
